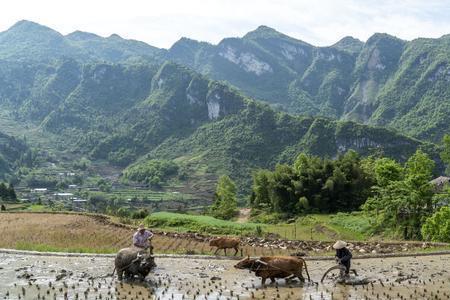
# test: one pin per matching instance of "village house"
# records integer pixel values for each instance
(440, 183)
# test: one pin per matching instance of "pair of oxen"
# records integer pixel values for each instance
(131, 262)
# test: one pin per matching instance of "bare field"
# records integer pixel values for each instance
(82, 233)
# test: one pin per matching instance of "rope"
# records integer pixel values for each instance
(328, 266)
(313, 269)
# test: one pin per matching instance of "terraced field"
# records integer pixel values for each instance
(89, 234)
(147, 194)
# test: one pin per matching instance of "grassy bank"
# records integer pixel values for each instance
(353, 226)
(201, 224)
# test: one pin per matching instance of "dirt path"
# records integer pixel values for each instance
(244, 215)
(27, 276)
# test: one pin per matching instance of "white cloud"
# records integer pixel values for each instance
(161, 23)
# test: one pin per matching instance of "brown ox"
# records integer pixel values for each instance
(225, 243)
(275, 267)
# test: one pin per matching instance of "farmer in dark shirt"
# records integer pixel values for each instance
(343, 255)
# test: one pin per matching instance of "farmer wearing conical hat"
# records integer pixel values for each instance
(343, 255)
(142, 238)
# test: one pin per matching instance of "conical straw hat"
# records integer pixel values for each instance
(339, 245)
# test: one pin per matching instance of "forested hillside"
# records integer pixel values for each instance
(12, 153)
(120, 101)
(29, 41)
(384, 81)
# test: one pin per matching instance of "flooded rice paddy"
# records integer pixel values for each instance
(56, 277)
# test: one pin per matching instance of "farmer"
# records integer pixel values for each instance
(343, 255)
(142, 238)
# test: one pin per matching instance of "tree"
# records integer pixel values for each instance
(140, 214)
(153, 172)
(98, 203)
(12, 193)
(7, 193)
(386, 171)
(260, 196)
(402, 197)
(283, 195)
(328, 185)
(104, 185)
(437, 227)
(225, 202)
(303, 204)
(122, 212)
(445, 153)
(3, 191)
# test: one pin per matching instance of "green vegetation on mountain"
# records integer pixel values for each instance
(125, 113)
(13, 154)
(152, 172)
(259, 137)
(7, 193)
(29, 41)
(445, 153)
(385, 81)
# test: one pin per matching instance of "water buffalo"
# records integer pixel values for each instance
(275, 267)
(225, 243)
(133, 262)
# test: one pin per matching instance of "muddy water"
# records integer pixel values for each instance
(34, 277)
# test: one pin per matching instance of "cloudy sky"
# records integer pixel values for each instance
(161, 23)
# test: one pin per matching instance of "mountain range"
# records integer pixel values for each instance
(386, 81)
(242, 104)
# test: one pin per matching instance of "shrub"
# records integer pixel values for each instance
(268, 218)
(258, 231)
(140, 214)
(122, 212)
(437, 227)
(153, 172)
